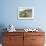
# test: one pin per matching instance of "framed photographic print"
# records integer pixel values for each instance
(25, 13)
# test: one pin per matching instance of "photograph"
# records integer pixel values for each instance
(25, 13)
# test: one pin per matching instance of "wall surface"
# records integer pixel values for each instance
(8, 13)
